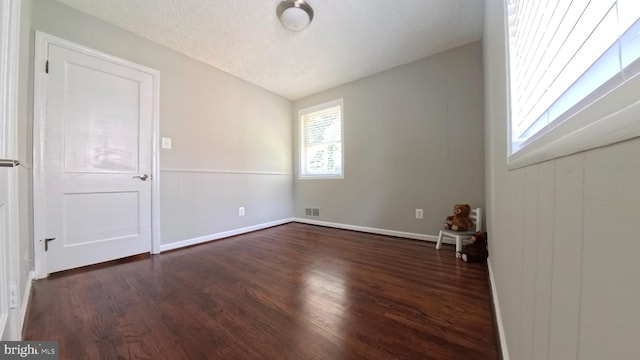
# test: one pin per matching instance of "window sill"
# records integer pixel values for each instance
(320, 177)
(613, 118)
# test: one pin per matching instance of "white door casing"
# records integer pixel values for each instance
(9, 274)
(95, 132)
(4, 247)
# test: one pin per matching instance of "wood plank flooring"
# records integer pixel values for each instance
(294, 291)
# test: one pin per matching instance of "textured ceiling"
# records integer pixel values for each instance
(347, 40)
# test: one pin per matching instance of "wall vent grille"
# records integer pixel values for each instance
(313, 212)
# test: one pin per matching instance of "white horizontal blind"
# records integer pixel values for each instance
(560, 52)
(321, 140)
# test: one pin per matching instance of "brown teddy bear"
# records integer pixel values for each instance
(460, 220)
(477, 250)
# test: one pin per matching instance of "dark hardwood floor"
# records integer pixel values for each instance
(293, 291)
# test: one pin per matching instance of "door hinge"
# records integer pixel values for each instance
(46, 243)
(46, 67)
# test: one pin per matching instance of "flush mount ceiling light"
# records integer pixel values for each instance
(294, 14)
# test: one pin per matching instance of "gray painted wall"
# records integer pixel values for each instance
(562, 237)
(231, 140)
(413, 138)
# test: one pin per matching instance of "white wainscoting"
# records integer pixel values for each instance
(199, 205)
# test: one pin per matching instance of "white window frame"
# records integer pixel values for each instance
(302, 148)
(601, 119)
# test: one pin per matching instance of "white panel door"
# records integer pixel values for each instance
(97, 159)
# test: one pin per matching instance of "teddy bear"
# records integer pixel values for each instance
(476, 251)
(460, 220)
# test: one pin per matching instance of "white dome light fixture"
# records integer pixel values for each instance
(295, 14)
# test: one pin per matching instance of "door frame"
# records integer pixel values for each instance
(42, 42)
(9, 259)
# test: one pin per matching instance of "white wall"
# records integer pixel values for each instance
(562, 236)
(231, 140)
(413, 138)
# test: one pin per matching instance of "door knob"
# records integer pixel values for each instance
(142, 177)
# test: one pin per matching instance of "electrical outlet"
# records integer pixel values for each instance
(13, 297)
(241, 211)
(419, 213)
(166, 143)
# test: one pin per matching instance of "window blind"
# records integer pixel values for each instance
(321, 143)
(562, 53)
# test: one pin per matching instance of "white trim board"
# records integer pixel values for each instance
(498, 315)
(227, 172)
(9, 60)
(221, 235)
(25, 300)
(402, 234)
(42, 41)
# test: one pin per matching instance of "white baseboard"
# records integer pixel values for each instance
(207, 238)
(8, 323)
(4, 323)
(25, 299)
(211, 237)
(496, 307)
(401, 234)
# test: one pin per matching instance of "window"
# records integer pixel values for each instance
(321, 145)
(571, 61)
